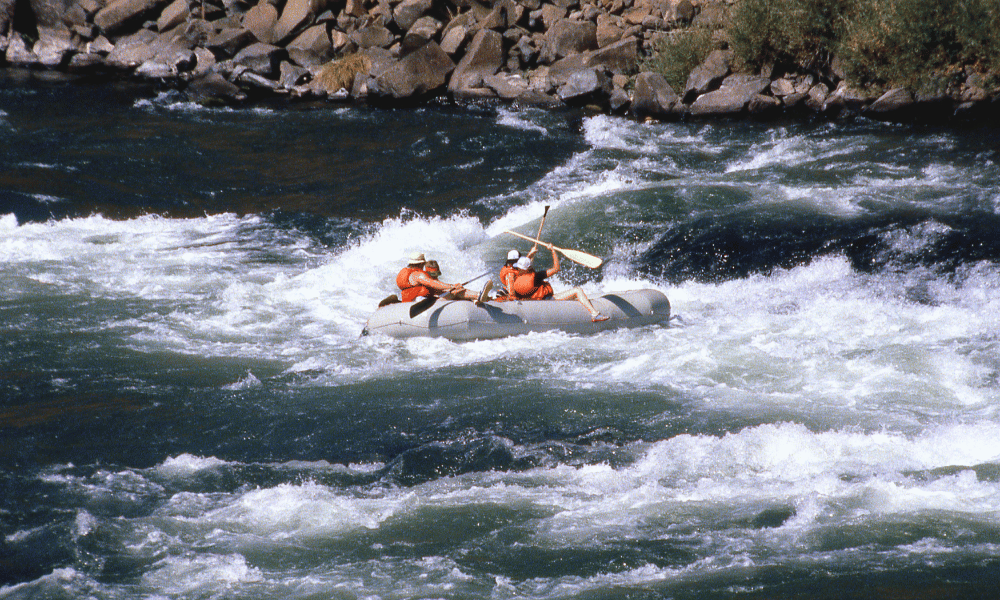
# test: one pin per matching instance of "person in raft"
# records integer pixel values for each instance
(414, 281)
(531, 285)
(508, 272)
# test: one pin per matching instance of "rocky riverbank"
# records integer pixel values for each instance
(548, 53)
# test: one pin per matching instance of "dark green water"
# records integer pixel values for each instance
(187, 409)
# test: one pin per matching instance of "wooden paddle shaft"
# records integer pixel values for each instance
(577, 256)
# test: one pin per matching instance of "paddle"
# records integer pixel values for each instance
(542, 224)
(577, 256)
(421, 305)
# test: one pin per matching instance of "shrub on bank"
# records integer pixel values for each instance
(677, 53)
(925, 45)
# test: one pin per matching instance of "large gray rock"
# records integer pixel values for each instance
(816, 97)
(119, 13)
(407, 12)
(586, 86)
(483, 58)
(230, 40)
(536, 98)
(372, 36)
(732, 97)
(213, 89)
(53, 45)
(568, 37)
(708, 74)
(173, 15)
(420, 73)
(18, 52)
(133, 50)
(422, 31)
(893, 101)
(653, 96)
(619, 57)
(260, 20)
(608, 32)
(315, 40)
(295, 14)
(262, 59)
(761, 105)
(506, 86)
(49, 13)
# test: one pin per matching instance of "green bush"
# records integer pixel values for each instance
(678, 53)
(774, 32)
(904, 42)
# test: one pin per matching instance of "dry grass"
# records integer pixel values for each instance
(340, 73)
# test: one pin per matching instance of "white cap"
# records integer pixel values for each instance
(513, 255)
(523, 263)
(416, 258)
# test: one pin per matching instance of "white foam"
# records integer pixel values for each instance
(185, 465)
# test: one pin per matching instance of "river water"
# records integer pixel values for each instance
(187, 409)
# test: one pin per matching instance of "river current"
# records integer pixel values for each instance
(187, 409)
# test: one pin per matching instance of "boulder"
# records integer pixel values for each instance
(420, 73)
(204, 61)
(260, 20)
(506, 86)
(619, 57)
(230, 40)
(848, 97)
(816, 97)
(552, 14)
(213, 89)
(536, 98)
(295, 14)
(732, 97)
(454, 39)
(48, 13)
(53, 44)
(608, 31)
(761, 105)
(314, 39)
(619, 100)
(708, 74)
(568, 37)
(586, 86)
(408, 12)
(422, 31)
(120, 13)
(483, 58)
(291, 75)
(372, 36)
(782, 87)
(18, 53)
(173, 15)
(653, 96)
(133, 50)
(893, 101)
(262, 59)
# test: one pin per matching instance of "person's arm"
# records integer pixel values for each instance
(428, 281)
(555, 262)
(533, 251)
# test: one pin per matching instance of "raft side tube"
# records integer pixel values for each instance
(461, 320)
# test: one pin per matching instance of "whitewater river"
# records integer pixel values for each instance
(187, 410)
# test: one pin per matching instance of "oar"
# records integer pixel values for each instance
(577, 256)
(421, 305)
(542, 224)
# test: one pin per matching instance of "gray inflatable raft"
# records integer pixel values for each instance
(461, 320)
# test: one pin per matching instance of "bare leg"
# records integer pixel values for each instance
(578, 295)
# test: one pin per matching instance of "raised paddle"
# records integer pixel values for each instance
(542, 224)
(577, 256)
(421, 305)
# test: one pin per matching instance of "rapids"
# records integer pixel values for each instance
(187, 409)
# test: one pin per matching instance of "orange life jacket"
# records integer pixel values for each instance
(410, 292)
(507, 275)
(529, 286)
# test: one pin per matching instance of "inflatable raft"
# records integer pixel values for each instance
(461, 320)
